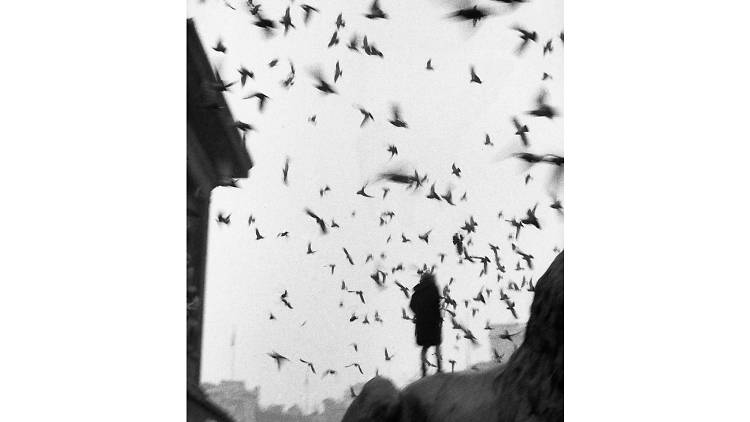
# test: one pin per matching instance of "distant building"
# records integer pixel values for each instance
(235, 399)
(504, 347)
(215, 155)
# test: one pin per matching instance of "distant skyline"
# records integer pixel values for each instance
(448, 118)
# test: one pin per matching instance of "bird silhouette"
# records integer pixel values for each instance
(353, 43)
(543, 109)
(340, 23)
(337, 73)
(547, 48)
(221, 219)
(455, 170)
(348, 257)
(285, 301)
(526, 36)
(322, 85)
(321, 223)
(334, 39)
(521, 130)
(258, 235)
(309, 10)
(309, 248)
(396, 120)
(244, 74)
(425, 236)
(393, 150)
(531, 218)
(285, 172)
(328, 372)
(473, 14)
(429, 65)
(278, 358)
(309, 364)
(286, 20)
(366, 115)
(262, 98)
(376, 12)
(356, 365)
(220, 47)
(388, 357)
(362, 192)
(474, 77)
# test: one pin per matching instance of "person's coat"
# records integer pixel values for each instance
(425, 303)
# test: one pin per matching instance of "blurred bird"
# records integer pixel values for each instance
(285, 301)
(429, 65)
(455, 170)
(348, 257)
(244, 74)
(340, 23)
(473, 14)
(337, 73)
(261, 99)
(366, 115)
(334, 39)
(318, 220)
(285, 172)
(278, 358)
(258, 235)
(547, 48)
(286, 20)
(393, 150)
(309, 248)
(396, 120)
(526, 36)
(323, 86)
(308, 12)
(376, 12)
(388, 357)
(221, 219)
(543, 109)
(521, 130)
(356, 365)
(474, 77)
(220, 47)
(309, 364)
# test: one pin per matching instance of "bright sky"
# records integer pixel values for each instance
(447, 117)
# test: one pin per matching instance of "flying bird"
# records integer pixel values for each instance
(244, 74)
(221, 219)
(337, 74)
(308, 12)
(429, 65)
(340, 23)
(318, 220)
(285, 301)
(526, 36)
(547, 48)
(455, 170)
(278, 358)
(473, 14)
(388, 357)
(396, 120)
(220, 47)
(425, 236)
(521, 130)
(474, 77)
(258, 235)
(286, 20)
(348, 257)
(334, 39)
(285, 172)
(362, 192)
(262, 98)
(309, 248)
(309, 364)
(366, 115)
(323, 86)
(393, 150)
(543, 109)
(376, 12)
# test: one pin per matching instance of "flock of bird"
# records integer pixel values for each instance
(463, 249)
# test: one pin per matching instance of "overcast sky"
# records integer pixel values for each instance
(447, 117)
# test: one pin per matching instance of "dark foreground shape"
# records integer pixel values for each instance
(528, 388)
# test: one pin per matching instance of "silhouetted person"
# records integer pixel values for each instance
(425, 303)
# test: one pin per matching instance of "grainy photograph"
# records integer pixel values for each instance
(375, 210)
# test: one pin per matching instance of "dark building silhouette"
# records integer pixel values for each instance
(215, 155)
